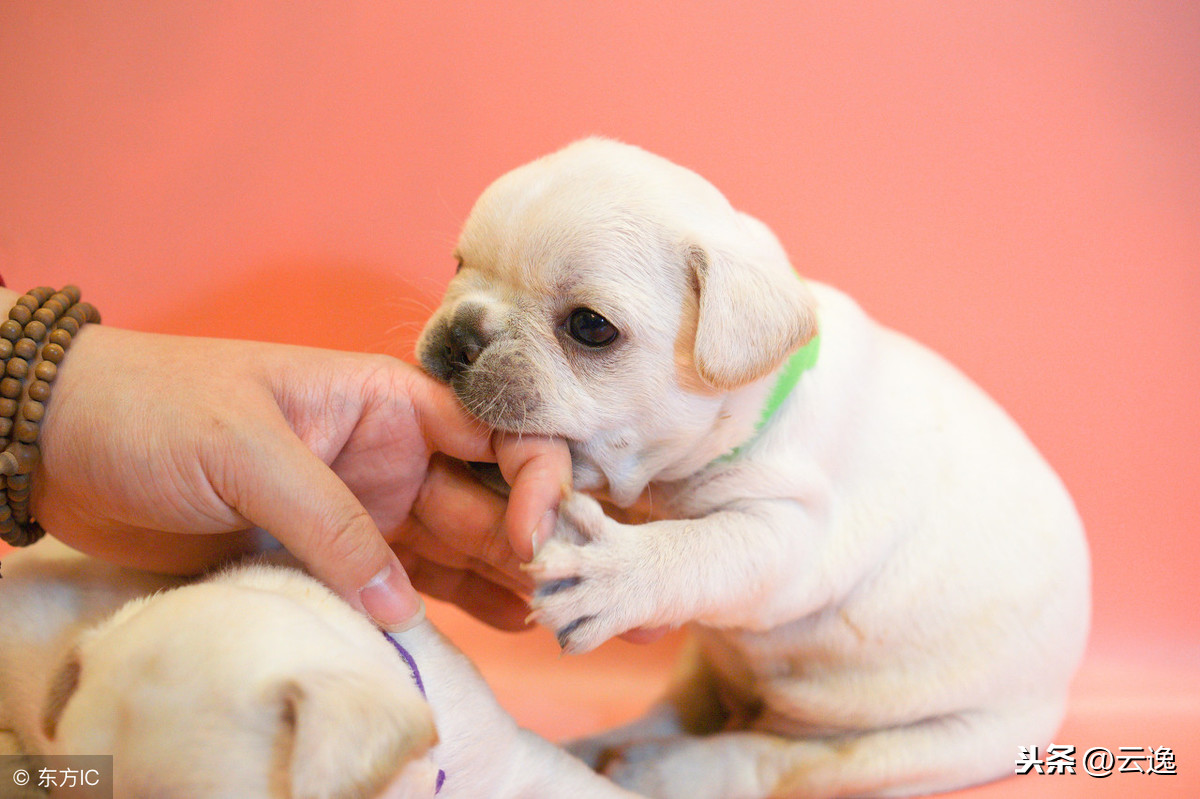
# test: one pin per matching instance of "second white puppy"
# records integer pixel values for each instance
(889, 586)
(257, 683)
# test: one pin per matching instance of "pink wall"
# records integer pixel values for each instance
(1017, 185)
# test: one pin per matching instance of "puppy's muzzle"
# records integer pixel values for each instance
(457, 345)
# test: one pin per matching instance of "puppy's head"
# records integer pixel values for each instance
(607, 295)
(257, 684)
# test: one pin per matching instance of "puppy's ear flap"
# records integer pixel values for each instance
(345, 734)
(62, 688)
(752, 315)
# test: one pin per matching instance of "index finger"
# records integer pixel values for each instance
(539, 471)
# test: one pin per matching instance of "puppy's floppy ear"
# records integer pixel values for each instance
(62, 688)
(344, 735)
(753, 313)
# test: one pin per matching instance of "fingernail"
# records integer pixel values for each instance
(390, 601)
(544, 530)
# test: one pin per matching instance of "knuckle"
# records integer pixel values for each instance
(496, 550)
(345, 538)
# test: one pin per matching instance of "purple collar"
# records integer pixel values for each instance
(407, 657)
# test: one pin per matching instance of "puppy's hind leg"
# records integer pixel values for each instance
(691, 707)
(930, 756)
(547, 772)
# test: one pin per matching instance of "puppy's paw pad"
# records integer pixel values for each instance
(571, 638)
(591, 591)
(580, 616)
(554, 586)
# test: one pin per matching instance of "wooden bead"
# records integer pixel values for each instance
(36, 329)
(25, 456)
(15, 537)
(53, 353)
(41, 314)
(33, 410)
(20, 314)
(25, 348)
(69, 324)
(32, 533)
(17, 367)
(39, 390)
(25, 431)
(45, 371)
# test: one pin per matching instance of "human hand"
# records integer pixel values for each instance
(163, 452)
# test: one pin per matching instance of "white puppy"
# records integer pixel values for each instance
(888, 586)
(257, 683)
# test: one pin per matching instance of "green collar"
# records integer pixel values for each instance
(800, 362)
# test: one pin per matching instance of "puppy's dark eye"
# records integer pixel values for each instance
(590, 328)
(458, 264)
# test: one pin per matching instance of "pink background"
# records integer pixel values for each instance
(1016, 185)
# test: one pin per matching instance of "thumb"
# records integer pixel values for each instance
(307, 507)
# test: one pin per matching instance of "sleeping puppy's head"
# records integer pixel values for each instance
(613, 298)
(259, 683)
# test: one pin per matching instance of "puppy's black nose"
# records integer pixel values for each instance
(452, 346)
(464, 342)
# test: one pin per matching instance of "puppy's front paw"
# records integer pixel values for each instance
(593, 579)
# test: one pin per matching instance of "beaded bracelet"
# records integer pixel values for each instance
(42, 323)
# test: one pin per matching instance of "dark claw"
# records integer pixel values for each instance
(564, 635)
(550, 589)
